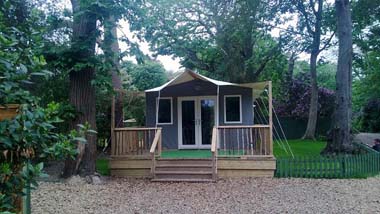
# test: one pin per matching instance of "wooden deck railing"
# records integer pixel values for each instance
(132, 141)
(250, 140)
(214, 152)
(156, 145)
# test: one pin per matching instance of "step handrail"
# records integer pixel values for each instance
(157, 142)
(214, 152)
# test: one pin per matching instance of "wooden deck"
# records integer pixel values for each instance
(226, 167)
(236, 151)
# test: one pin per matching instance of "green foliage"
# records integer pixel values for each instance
(365, 85)
(326, 72)
(145, 76)
(31, 136)
(228, 40)
(136, 79)
(326, 75)
(135, 108)
(102, 167)
(366, 68)
(369, 119)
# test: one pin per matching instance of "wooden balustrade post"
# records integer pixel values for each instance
(160, 143)
(214, 152)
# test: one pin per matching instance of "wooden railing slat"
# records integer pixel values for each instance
(245, 140)
(132, 141)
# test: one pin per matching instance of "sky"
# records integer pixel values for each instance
(169, 62)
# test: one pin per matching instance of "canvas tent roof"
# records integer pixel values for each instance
(189, 75)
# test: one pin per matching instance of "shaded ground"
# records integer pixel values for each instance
(226, 196)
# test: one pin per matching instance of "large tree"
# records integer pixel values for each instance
(82, 92)
(228, 39)
(341, 138)
(313, 24)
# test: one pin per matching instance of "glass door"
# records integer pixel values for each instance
(188, 123)
(196, 118)
(207, 118)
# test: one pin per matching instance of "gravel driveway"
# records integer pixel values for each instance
(249, 195)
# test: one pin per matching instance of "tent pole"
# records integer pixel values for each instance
(157, 106)
(270, 117)
(217, 116)
(217, 106)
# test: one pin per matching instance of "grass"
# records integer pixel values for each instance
(299, 148)
(102, 167)
(188, 153)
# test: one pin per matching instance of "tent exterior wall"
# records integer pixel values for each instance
(195, 88)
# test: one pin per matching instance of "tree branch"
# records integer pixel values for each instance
(327, 43)
(302, 10)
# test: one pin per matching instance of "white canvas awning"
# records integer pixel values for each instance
(188, 75)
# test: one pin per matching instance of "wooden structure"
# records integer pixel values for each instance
(8, 111)
(237, 150)
(137, 153)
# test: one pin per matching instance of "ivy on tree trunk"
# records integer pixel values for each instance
(82, 92)
(112, 53)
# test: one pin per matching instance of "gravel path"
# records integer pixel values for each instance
(249, 195)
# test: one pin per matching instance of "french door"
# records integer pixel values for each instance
(196, 118)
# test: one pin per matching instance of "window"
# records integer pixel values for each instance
(165, 111)
(232, 109)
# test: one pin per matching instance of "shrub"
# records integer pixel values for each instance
(370, 116)
(297, 103)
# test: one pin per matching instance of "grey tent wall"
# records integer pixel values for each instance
(195, 88)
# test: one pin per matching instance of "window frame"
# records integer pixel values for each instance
(158, 109)
(240, 110)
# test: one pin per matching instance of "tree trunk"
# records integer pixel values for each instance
(313, 110)
(341, 139)
(112, 52)
(82, 92)
(288, 77)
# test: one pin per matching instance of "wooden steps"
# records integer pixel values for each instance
(183, 170)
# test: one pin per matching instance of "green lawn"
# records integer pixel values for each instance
(102, 167)
(187, 153)
(299, 148)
